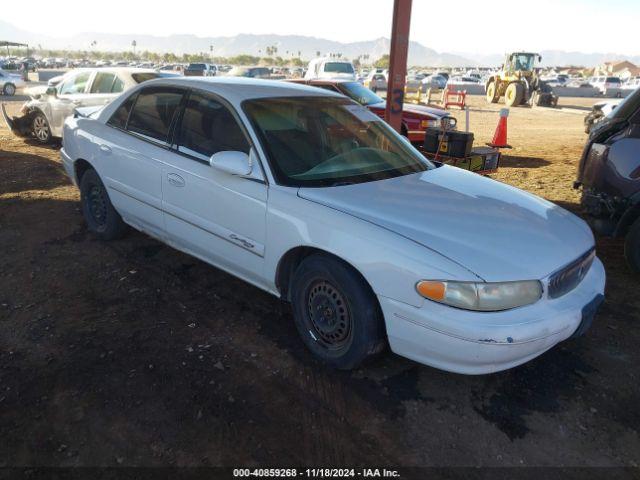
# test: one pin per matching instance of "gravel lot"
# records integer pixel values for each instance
(131, 353)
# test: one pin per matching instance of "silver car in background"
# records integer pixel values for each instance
(43, 116)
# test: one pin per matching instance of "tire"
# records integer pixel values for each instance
(632, 247)
(40, 128)
(9, 90)
(102, 219)
(514, 94)
(492, 96)
(336, 313)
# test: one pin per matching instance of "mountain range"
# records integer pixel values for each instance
(287, 45)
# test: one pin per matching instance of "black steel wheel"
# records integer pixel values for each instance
(102, 219)
(336, 312)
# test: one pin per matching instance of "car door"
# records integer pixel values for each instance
(211, 214)
(105, 86)
(133, 149)
(70, 94)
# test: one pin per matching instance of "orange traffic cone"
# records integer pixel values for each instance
(500, 137)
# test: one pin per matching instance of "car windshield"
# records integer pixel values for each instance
(627, 107)
(613, 80)
(361, 94)
(338, 67)
(328, 141)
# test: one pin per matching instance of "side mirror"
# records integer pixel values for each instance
(52, 91)
(234, 163)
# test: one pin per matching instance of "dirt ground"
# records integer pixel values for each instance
(131, 353)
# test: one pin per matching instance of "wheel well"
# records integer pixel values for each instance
(81, 166)
(290, 262)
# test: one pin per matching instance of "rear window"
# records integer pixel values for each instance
(196, 66)
(153, 112)
(613, 80)
(338, 67)
(143, 77)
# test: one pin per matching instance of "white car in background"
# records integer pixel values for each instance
(330, 68)
(313, 198)
(44, 115)
(10, 83)
(605, 83)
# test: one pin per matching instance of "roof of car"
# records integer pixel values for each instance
(240, 88)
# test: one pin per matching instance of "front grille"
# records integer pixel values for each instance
(569, 277)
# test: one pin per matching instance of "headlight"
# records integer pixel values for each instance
(483, 297)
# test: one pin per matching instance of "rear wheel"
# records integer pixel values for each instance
(336, 312)
(9, 89)
(102, 219)
(492, 97)
(632, 247)
(514, 94)
(40, 127)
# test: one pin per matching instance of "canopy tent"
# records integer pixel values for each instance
(4, 43)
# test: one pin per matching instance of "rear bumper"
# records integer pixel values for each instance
(478, 343)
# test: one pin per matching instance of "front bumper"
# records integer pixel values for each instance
(485, 342)
(20, 126)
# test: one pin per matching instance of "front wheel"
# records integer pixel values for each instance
(492, 97)
(632, 247)
(9, 89)
(40, 127)
(102, 219)
(336, 312)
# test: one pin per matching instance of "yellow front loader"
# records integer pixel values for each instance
(516, 81)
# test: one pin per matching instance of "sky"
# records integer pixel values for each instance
(469, 26)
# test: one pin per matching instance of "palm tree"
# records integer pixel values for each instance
(134, 44)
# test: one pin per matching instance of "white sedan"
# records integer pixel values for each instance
(10, 82)
(311, 197)
(43, 115)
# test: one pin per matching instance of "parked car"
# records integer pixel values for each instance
(605, 83)
(415, 118)
(463, 80)
(200, 70)
(376, 81)
(309, 196)
(609, 176)
(250, 72)
(598, 111)
(10, 83)
(434, 81)
(43, 115)
(330, 68)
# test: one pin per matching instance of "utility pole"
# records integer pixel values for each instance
(398, 62)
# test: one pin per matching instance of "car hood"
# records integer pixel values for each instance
(496, 231)
(416, 109)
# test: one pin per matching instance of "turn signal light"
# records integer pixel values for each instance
(432, 289)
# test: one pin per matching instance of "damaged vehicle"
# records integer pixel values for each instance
(599, 111)
(42, 117)
(609, 176)
(313, 198)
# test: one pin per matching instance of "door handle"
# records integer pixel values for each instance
(175, 180)
(105, 148)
